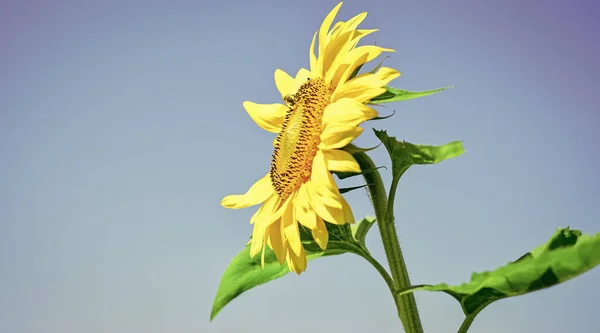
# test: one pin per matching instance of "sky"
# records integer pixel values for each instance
(122, 128)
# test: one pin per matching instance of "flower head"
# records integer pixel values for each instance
(320, 115)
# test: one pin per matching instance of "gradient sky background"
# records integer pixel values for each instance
(122, 127)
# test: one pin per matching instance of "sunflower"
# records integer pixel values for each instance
(321, 110)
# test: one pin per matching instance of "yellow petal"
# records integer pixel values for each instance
(342, 27)
(269, 117)
(301, 77)
(339, 160)
(323, 194)
(335, 29)
(323, 183)
(347, 111)
(290, 229)
(335, 53)
(360, 33)
(371, 51)
(365, 86)
(270, 212)
(276, 211)
(275, 241)
(285, 83)
(258, 234)
(327, 213)
(314, 69)
(262, 255)
(267, 209)
(362, 88)
(348, 215)
(288, 85)
(269, 203)
(304, 212)
(355, 58)
(343, 72)
(338, 136)
(334, 77)
(341, 42)
(353, 23)
(386, 75)
(320, 234)
(297, 263)
(323, 34)
(259, 192)
(262, 222)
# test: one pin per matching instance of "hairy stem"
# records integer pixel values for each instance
(405, 304)
(464, 327)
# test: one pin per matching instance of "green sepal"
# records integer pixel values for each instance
(352, 149)
(358, 68)
(360, 229)
(396, 95)
(385, 117)
(348, 189)
(355, 73)
(379, 65)
(566, 255)
(344, 174)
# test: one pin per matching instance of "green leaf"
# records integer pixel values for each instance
(360, 229)
(396, 95)
(566, 255)
(245, 273)
(405, 154)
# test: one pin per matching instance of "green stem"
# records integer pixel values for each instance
(466, 324)
(405, 304)
(469, 319)
(384, 274)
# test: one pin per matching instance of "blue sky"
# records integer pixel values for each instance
(122, 127)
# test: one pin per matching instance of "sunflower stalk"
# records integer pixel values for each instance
(405, 303)
(304, 216)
